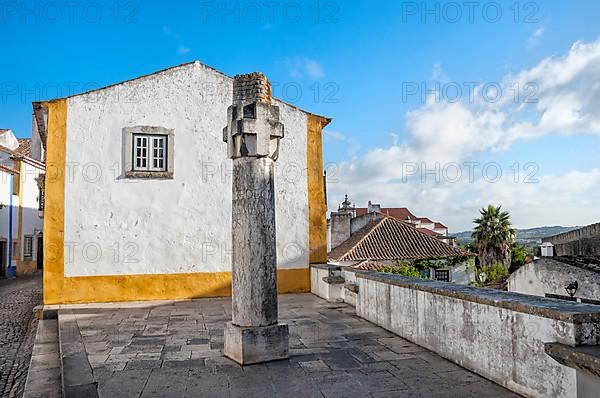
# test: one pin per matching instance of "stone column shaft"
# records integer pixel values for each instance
(254, 257)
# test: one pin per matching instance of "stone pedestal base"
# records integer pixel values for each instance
(254, 344)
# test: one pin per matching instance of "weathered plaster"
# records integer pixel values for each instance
(178, 225)
(550, 276)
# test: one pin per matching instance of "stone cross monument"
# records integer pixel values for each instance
(253, 133)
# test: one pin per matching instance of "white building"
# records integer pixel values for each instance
(547, 249)
(550, 276)
(20, 219)
(138, 190)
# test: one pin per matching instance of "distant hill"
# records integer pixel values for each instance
(527, 237)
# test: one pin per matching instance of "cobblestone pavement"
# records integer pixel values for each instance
(175, 350)
(17, 331)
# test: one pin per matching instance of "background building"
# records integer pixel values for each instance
(21, 222)
(372, 240)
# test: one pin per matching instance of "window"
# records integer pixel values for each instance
(148, 152)
(28, 246)
(442, 275)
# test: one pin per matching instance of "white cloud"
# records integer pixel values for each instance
(535, 37)
(438, 74)
(300, 67)
(567, 90)
(333, 137)
(171, 34)
(183, 50)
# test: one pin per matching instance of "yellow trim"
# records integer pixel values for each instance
(54, 202)
(59, 289)
(19, 184)
(317, 207)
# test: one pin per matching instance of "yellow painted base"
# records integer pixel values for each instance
(98, 289)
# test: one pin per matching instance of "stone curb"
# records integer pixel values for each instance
(44, 375)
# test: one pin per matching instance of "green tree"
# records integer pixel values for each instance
(519, 255)
(493, 236)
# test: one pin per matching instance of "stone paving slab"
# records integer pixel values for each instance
(175, 349)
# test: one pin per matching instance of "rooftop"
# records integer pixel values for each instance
(590, 263)
(175, 349)
(24, 148)
(401, 213)
(392, 239)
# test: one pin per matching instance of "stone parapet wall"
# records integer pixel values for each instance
(496, 334)
(582, 241)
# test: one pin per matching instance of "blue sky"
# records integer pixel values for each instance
(358, 56)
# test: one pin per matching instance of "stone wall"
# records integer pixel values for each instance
(582, 241)
(496, 334)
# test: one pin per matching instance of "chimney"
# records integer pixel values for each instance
(373, 207)
(340, 228)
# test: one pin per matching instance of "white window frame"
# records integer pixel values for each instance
(159, 150)
(28, 251)
(150, 152)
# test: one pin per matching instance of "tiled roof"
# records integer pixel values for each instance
(392, 239)
(425, 220)
(428, 232)
(401, 213)
(590, 263)
(439, 225)
(24, 148)
(370, 266)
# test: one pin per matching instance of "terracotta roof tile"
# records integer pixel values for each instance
(371, 266)
(439, 225)
(425, 220)
(401, 213)
(24, 148)
(428, 232)
(392, 239)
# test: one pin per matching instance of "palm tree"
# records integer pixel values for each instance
(493, 236)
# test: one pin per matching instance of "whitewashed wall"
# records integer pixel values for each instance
(5, 212)
(117, 226)
(550, 276)
(32, 222)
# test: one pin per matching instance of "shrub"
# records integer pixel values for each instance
(492, 273)
(403, 268)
